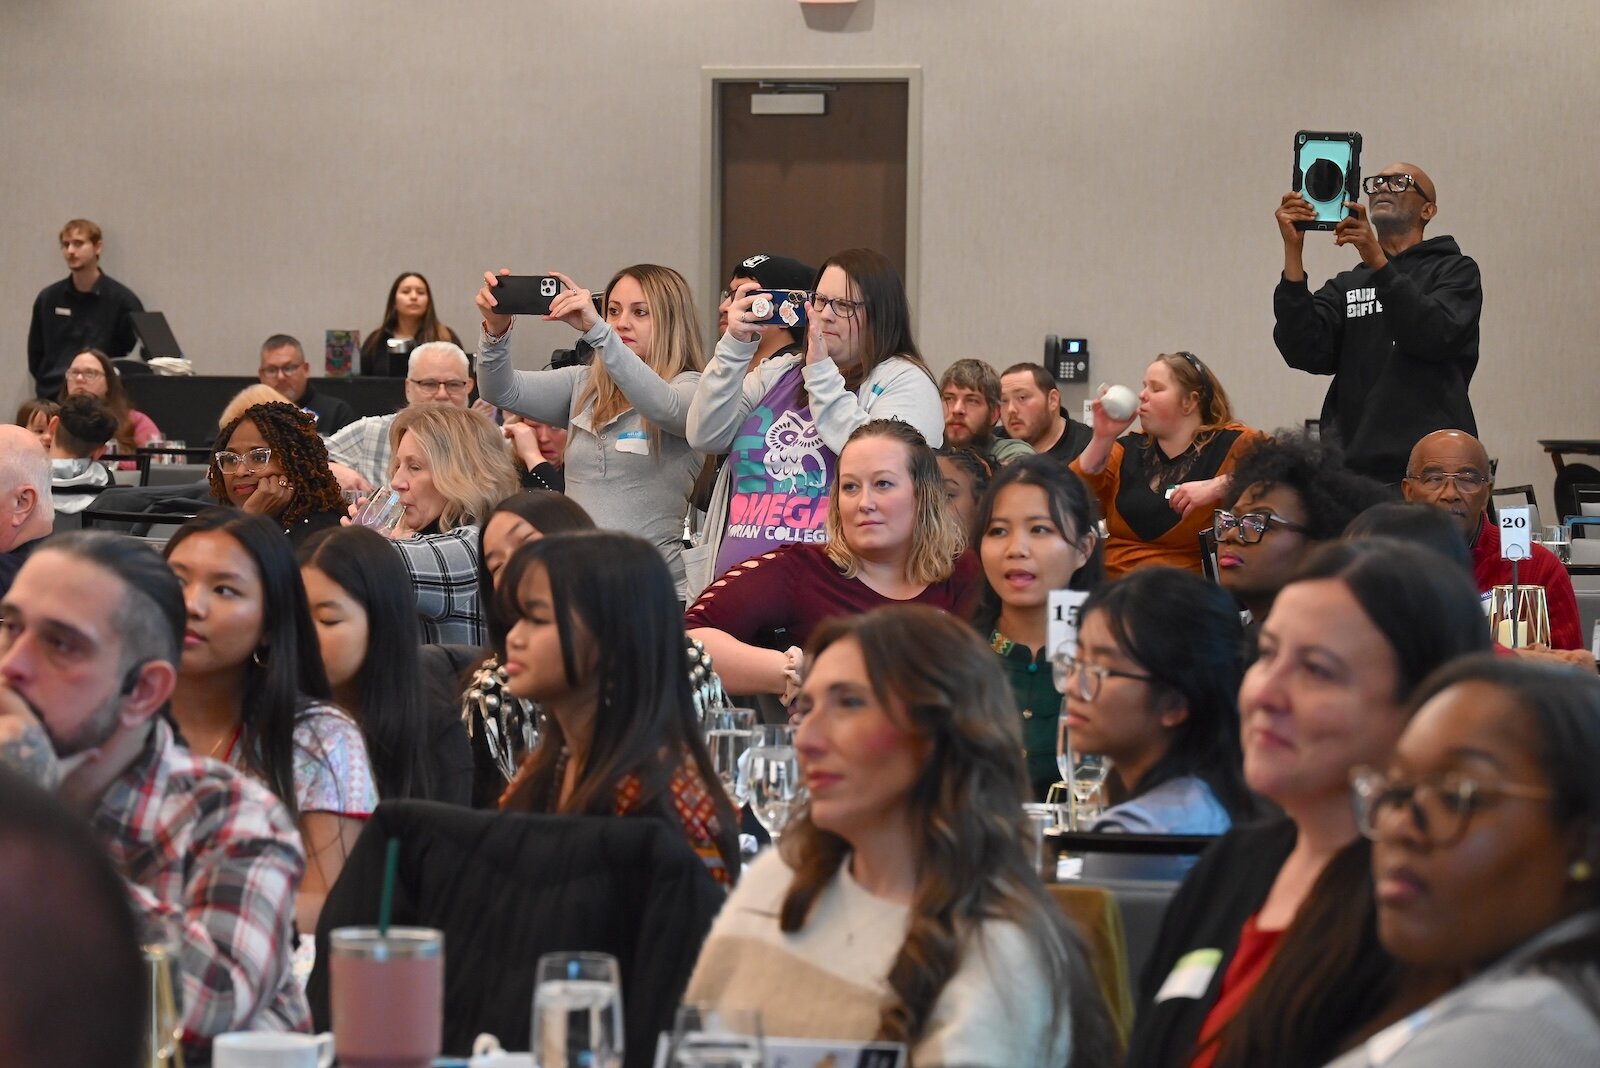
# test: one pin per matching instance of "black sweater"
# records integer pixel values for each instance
(1401, 344)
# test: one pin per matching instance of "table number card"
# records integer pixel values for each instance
(1515, 534)
(1066, 607)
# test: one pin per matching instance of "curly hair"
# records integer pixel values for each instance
(1315, 471)
(291, 434)
(971, 864)
(936, 535)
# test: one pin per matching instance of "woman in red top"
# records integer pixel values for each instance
(891, 537)
(594, 636)
(1157, 488)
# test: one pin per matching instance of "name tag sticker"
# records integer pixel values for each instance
(1191, 976)
(633, 442)
(63, 311)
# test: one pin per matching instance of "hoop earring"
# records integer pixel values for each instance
(259, 657)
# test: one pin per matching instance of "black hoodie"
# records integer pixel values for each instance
(1401, 343)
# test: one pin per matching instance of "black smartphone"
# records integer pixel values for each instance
(525, 294)
(780, 307)
(1327, 171)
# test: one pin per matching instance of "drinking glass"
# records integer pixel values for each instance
(730, 732)
(382, 511)
(772, 768)
(1085, 775)
(707, 1037)
(577, 1011)
(1558, 539)
(387, 996)
(159, 943)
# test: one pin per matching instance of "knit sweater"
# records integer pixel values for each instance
(994, 1012)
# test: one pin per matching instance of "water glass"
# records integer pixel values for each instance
(382, 511)
(1084, 775)
(387, 996)
(1558, 539)
(730, 732)
(773, 770)
(704, 1036)
(577, 1011)
(160, 944)
(1041, 820)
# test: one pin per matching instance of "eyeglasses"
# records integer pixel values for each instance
(1396, 183)
(1091, 677)
(844, 309)
(1251, 526)
(284, 371)
(228, 462)
(81, 375)
(1433, 481)
(1439, 807)
(433, 385)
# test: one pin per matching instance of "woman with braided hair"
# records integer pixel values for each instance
(270, 461)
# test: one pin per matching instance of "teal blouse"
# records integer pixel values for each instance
(1034, 687)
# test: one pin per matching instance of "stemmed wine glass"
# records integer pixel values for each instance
(772, 771)
(730, 732)
(1085, 775)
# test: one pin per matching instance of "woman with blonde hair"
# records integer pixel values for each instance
(450, 467)
(1158, 488)
(891, 538)
(902, 899)
(627, 462)
(249, 397)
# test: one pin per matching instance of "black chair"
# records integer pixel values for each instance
(506, 888)
(140, 461)
(1517, 497)
(1155, 845)
(137, 523)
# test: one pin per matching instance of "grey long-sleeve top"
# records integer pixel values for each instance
(611, 470)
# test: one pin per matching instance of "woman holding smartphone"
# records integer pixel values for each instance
(787, 421)
(627, 463)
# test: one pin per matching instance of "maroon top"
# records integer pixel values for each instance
(796, 587)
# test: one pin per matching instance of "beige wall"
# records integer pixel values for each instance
(1100, 169)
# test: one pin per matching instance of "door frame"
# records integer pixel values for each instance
(711, 181)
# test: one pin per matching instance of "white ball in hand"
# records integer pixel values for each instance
(1119, 402)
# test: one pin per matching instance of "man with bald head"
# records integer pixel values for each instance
(1449, 469)
(1398, 332)
(26, 513)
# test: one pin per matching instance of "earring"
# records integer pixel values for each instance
(1580, 871)
(259, 657)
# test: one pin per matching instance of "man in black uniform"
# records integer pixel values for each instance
(86, 310)
(1399, 333)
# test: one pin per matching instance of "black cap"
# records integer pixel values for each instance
(775, 272)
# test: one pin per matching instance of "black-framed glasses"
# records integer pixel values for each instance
(1433, 481)
(1395, 183)
(1439, 807)
(433, 385)
(844, 309)
(1090, 677)
(228, 462)
(283, 371)
(1252, 525)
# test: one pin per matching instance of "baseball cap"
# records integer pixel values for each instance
(775, 272)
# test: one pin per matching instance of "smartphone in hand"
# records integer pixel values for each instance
(525, 294)
(779, 307)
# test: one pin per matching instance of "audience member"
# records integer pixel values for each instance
(269, 461)
(1486, 837)
(786, 423)
(1031, 409)
(34, 414)
(201, 846)
(502, 726)
(1398, 333)
(903, 896)
(92, 374)
(364, 610)
(70, 938)
(409, 321)
(1267, 955)
(284, 368)
(969, 390)
(251, 690)
(360, 453)
(769, 272)
(78, 434)
(86, 310)
(966, 477)
(890, 538)
(1035, 533)
(27, 513)
(1416, 524)
(1289, 494)
(450, 467)
(627, 462)
(1158, 488)
(621, 736)
(540, 450)
(1160, 703)
(1449, 470)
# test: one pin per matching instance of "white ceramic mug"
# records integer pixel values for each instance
(272, 1049)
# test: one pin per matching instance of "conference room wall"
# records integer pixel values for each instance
(1106, 170)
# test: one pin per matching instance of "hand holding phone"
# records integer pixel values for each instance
(778, 307)
(573, 305)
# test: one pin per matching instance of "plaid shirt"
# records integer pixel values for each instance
(216, 853)
(444, 574)
(364, 445)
